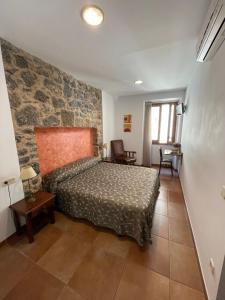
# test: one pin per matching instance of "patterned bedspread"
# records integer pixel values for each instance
(115, 196)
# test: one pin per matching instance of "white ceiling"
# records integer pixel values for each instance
(151, 40)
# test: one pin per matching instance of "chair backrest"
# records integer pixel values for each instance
(161, 155)
(117, 148)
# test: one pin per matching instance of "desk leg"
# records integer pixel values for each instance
(51, 214)
(17, 222)
(29, 229)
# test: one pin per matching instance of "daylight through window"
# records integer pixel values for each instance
(163, 123)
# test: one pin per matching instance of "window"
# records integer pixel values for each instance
(163, 123)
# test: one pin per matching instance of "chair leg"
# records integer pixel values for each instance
(159, 168)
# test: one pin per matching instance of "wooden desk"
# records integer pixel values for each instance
(172, 152)
(177, 155)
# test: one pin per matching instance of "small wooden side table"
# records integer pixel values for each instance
(28, 209)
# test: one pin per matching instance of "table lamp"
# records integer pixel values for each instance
(27, 173)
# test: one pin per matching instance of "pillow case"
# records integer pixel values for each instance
(51, 180)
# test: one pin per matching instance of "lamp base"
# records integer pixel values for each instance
(31, 198)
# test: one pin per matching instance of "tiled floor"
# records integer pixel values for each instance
(74, 260)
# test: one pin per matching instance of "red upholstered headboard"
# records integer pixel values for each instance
(59, 146)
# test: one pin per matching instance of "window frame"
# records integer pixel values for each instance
(156, 142)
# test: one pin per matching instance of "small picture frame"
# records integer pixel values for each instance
(127, 127)
(127, 118)
(127, 123)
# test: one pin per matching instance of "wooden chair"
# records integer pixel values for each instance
(165, 163)
(119, 155)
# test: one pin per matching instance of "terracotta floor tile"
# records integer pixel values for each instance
(184, 266)
(155, 256)
(62, 221)
(13, 266)
(166, 176)
(37, 284)
(161, 207)
(171, 184)
(14, 238)
(98, 276)
(160, 226)
(179, 291)
(177, 211)
(113, 244)
(175, 185)
(176, 197)
(180, 232)
(165, 183)
(81, 229)
(64, 256)
(163, 194)
(140, 283)
(42, 242)
(85, 231)
(99, 265)
(69, 294)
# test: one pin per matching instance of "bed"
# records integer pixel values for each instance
(115, 196)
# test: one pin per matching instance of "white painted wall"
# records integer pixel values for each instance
(132, 140)
(135, 105)
(9, 164)
(203, 170)
(108, 119)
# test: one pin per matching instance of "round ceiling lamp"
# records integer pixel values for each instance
(138, 82)
(92, 15)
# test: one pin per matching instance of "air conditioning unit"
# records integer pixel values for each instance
(213, 32)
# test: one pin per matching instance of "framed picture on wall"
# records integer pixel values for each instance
(127, 119)
(127, 123)
(127, 127)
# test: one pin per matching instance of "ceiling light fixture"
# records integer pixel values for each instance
(92, 15)
(138, 82)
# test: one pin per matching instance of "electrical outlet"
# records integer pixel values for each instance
(212, 266)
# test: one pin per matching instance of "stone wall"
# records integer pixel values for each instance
(43, 96)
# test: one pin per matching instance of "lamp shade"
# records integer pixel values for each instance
(105, 146)
(27, 173)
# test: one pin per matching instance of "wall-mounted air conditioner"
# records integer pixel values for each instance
(213, 32)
